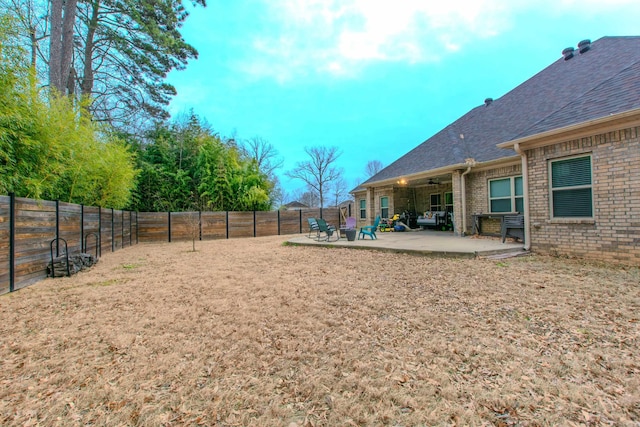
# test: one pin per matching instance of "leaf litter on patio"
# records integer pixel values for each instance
(253, 332)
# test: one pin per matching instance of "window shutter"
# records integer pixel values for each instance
(572, 203)
(571, 172)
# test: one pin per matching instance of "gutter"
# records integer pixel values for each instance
(463, 194)
(578, 130)
(525, 195)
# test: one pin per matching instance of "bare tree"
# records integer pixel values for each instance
(373, 167)
(339, 190)
(309, 198)
(318, 172)
(264, 154)
(277, 194)
(193, 227)
(63, 18)
(31, 15)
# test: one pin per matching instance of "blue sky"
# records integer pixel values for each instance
(375, 78)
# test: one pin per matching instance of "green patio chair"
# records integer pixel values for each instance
(369, 230)
(328, 230)
(314, 231)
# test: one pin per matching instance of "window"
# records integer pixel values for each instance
(571, 191)
(435, 202)
(363, 209)
(448, 202)
(384, 207)
(506, 195)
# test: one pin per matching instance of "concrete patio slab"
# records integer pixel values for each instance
(424, 242)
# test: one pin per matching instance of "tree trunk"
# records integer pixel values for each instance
(55, 45)
(67, 41)
(61, 43)
(86, 87)
(34, 45)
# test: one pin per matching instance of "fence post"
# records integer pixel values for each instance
(122, 229)
(12, 242)
(278, 222)
(57, 227)
(113, 235)
(227, 223)
(137, 228)
(199, 225)
(254, 223)
(130, 228)
(169, 223)
(100, 229)
(82, 249)
(300, 220)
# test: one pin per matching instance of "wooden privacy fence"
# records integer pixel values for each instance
(173, 226)
(29, 229)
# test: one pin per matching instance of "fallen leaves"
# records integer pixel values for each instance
(250, 339)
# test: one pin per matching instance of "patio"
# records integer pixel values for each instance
(425, 242)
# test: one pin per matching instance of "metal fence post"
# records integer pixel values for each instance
(169, 223)
(82, 228)
(254, 223)
(57, 227)
(227, 223)
(12, 242)
(122, 229)
(113, 236)
(278, 222)
(100, 229)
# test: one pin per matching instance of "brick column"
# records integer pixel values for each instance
(456, 188)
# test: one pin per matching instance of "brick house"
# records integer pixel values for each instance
(562, 148)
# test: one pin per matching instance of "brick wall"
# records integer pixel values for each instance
(614, 233)
(478, 195)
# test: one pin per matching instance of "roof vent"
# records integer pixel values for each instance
(584, 45)
(568, 53)
(488, 101)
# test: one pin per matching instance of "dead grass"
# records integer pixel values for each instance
(252, 332)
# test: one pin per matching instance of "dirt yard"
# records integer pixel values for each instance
(254, 332)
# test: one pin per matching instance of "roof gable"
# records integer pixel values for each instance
(603, 80)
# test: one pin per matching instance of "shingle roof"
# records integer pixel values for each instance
(603, 80)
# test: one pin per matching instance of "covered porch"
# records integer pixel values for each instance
(426, 242)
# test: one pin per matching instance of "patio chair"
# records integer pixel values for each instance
(328, 230)
(350, 223)
(369, 230)
(314, 230)
(512, 226)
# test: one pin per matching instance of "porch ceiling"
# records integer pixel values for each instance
(424, 180)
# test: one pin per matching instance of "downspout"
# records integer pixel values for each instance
(525, 194)
(463, 193)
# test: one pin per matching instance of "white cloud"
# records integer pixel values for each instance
(340, 37)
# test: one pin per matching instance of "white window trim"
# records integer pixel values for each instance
(360, 208)
(445, 200)
(439, 205)
(575, 187)
(387, 208)
(512, 190)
